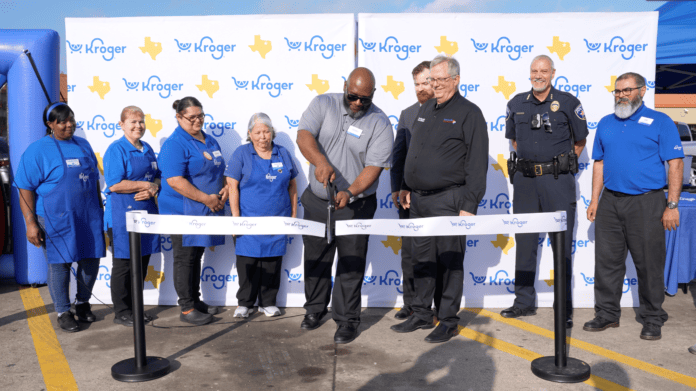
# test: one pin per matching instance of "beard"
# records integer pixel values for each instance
(539, 89)
(424, 96)
(624, 111)
(351, 114)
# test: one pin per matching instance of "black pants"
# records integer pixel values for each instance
(533, 195)
(187, 272)
(630, 224)
(319, 257)
(438, 261)
(258, 278)
(121, 281)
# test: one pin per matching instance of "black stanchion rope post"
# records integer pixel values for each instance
(560, 368)
(141, 368)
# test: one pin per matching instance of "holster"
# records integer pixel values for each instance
(512, 166)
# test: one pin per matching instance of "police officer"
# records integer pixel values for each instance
(547, 128)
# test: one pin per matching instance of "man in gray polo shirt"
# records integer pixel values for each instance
(347, 141)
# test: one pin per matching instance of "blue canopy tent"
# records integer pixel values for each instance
(676, 48)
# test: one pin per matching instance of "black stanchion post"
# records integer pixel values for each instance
(141, 368)
(560, 368)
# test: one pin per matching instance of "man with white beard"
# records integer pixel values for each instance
(633, 213)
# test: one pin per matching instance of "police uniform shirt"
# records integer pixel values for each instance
(564, 111)
(634, 150)
(449, 146)
(348, 144)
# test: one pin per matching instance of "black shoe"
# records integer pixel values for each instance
(67, 322)
(516, 312)
(442, 333)
(205, 308)
(312, 321)
(346, 333)
(147, 318)
(196, 317)
(651, 332)
(599, 324)
(692, 349)
(403, 313)
(412, 324)
(569, 321)
(125, 320)
(84, 313)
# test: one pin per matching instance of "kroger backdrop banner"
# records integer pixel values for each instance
(495, 51)
(238, 65)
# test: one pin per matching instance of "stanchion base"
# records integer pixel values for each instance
(126, 370)
(575, 371)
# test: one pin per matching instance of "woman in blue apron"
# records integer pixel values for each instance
(261, 178)
(193, 185)
(132, 181)
(58, 181)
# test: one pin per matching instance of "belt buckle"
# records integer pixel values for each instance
(537, 170)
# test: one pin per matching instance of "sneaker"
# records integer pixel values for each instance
(270, 311)
(242, 312)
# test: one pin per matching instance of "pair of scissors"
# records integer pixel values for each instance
(331, 207)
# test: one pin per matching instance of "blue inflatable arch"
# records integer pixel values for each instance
(26, 102)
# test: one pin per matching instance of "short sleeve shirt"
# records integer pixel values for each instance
(348, 144)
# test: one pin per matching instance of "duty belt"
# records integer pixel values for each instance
(431, 192)
(532, 169)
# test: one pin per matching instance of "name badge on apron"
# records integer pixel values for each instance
(355, 132)
(72, 162)
(217, 154)
(277, 166)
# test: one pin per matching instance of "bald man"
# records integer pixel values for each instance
(347, 141)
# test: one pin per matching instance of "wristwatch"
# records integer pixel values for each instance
(672, 205)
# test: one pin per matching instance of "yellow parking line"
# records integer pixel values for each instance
(54, 366)
(594, 381)
(594, 349)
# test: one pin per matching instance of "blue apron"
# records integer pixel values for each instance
(210, 180)
(73, 215)
(144, 169)
(265, 193)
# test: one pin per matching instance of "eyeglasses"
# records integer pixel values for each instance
(200, 117)
(364, 99)
(439, 80)
(626, 91)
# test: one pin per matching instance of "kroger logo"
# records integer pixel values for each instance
(317, 44)
(462, 223)
(296, 224)
(592, 125)
(394, 121)
(387, 202)
(561, 220)
(562, 84)
(217, 128)
(585, 201)
(263, 83)
(411, 226)
(515, 221)
(497, 280)
(501, 201)
(464, 88)
(574, 244)
(292, 122)
(103, 276)
(391, 45)
(218, 280)
(154, 83)
(293, 277)
(499, 124)
(146, 223)
(97, 46)
(166, 243)
(390, 278)
(103, 125)
(206, 45)
(503, 45)
(84, 177)
(616, 45)
(628, 282)
(244, 224)
(588, 280)
(196, 224)
(358, 225)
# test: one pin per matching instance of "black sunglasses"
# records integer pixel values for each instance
(365, 100)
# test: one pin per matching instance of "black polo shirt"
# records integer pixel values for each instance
(449, 146)
(564, 110)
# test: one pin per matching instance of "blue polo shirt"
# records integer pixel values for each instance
(41, 169)
(117, 167)
(635, 149)
(175, 160)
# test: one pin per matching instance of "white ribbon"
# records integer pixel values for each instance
(144, 223)
(457, 225)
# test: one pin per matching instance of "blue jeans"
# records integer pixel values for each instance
(59, 279)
